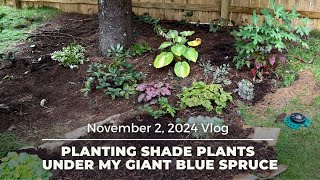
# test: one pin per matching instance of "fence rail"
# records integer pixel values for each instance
(204, 10)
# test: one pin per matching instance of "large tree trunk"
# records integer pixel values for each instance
(115, 23)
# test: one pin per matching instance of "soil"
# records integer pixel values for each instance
(35, 76)
(305, 89)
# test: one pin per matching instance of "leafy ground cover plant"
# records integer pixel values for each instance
(264, 45)
(117, 80)
(220, 24)
(245, 90)
(146, 18)
(153, 91)
(22, 166)
(186, 16)
(219, 74)
(201, 121)
(117, 51)
(201, 94)
(164, 108)
(9, 142)
(139, 49)
(178, 51)
(70, 56)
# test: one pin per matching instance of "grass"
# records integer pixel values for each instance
(298, 149)
(16, 23)
(9, 142)
(296, 54)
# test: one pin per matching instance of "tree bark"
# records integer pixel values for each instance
(115, 24)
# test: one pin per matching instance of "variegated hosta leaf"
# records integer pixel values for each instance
(163, 59)
(182, 69)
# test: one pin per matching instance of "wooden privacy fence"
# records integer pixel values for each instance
(204, 10)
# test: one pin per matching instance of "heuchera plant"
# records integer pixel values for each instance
(153, 91)
(178, 51)
(263, 44)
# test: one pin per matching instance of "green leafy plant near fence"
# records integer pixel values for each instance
(201, 94)
(22, 166)
(263, 45)
(176, 49)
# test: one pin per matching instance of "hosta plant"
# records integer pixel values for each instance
(177, 49)
(201, 94)
(201, 122)
(153, 91)
(22, 166)
(245, 90)
(262, 44)
(70, 56)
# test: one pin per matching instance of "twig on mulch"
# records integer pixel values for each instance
(82, 20)
(52, 34)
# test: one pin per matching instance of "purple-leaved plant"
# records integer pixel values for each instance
(153, 91)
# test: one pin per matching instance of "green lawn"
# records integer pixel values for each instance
(300, 149)
(17, 22)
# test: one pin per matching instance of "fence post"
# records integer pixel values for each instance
(225, 4)
(16, 3)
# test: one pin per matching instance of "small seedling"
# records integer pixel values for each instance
(164, 108)
(139, 49)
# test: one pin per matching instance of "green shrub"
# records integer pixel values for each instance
(263, 45)
(201, 94)
(178, 51)
(22, 166)
(70, 56)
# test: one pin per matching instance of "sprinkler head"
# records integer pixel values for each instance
(297, 120)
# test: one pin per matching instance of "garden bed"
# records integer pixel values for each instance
(35, 77)
(35, 80)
